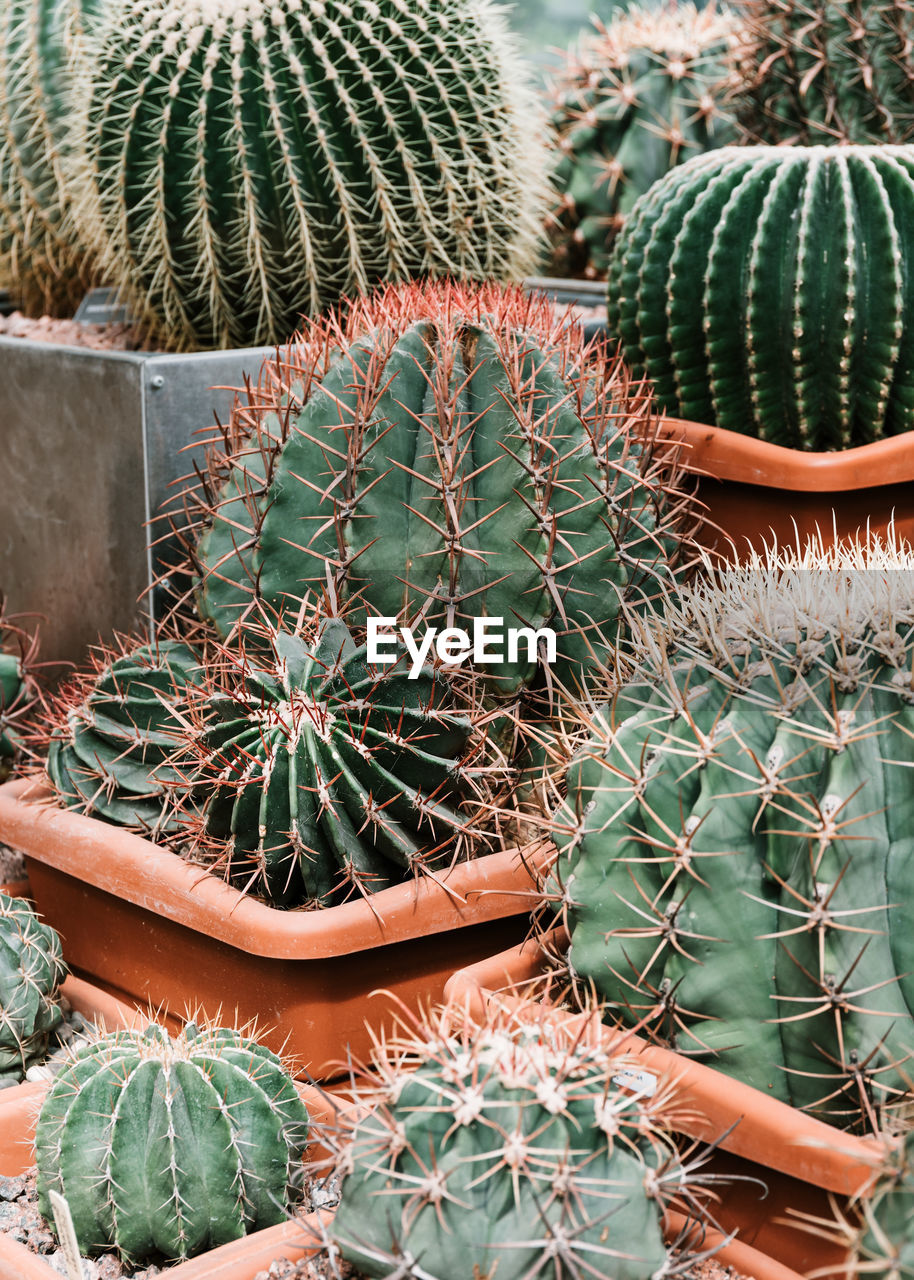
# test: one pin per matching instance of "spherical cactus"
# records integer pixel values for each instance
(507, 1150)
(827, 71)
(40, 41)
(250, 162)
(116, 736)
(31, 971)
(735, 846)
(164, 1146)
(632, 101)
(882, 1244)
(18, 689)
(765, 290)
(442, 455)
(327, 775)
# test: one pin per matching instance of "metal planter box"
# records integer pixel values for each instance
(90, 445)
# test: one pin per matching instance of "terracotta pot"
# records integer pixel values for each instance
(752, 489)
(138, 919)
(240, 1260)
(807, 1166)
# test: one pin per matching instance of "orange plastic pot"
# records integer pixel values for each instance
(808, 1169)
(751, 489)
(240, 1260)
(138, 919)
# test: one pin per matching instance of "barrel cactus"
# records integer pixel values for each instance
(882, 1245)
(117, 735)
(766, 290)
(40, 42)
(735, 846)
(512, 1149)
(827, 71)
(170, 1146)
(250, 162)
(18, 689)
(632, 101)
(31, 971)
(441, 455)
(326, 775)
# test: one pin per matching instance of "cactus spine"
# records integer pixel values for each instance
(512, 1149)
(31, 971)
(170, 1147)
(250, 162)
(453, 453)
(827, 71)
(764, 290)
(635, 99)
(117, 735)
(39, 42)
(327, 775)
(736, 839)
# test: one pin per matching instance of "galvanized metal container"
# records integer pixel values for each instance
(90, 447)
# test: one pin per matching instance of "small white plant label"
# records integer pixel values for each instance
(66, 1234)
(640, 1082)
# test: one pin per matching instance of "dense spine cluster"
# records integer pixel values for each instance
(736, 838)
(827, 71)
(450, 453)
(40, 259)
(116, 743)
(31, 971)
(170, 1147)
(882, 1244)
(327, 775)
(511, 1149)
(766, 290)
(635, 99)
(248, 162)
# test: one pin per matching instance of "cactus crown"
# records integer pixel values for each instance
(445, 453)
(515, 1148)
(31, 971)
(744, 807)
(251, 162)
(634, 99)
(827, 71)
(170, 1146)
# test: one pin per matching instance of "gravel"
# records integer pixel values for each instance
(12, 864)
(70, 333)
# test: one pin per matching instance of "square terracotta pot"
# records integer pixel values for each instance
(807, 1168)
(138, 919)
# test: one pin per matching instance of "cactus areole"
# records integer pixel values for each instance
(768, 290)
(736, 844)
(170, 1147)
(454, 454)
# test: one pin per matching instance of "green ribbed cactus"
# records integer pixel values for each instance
(632, 101)
(736, 846)
(882, 1246)
(164, 1146)
(827, 71)
(18, 689)
(510, 1149)
(765, 290)
(328, 775)
(31, 971)
(40, 40)
(452, 453)
(249, 162)
(117, 733)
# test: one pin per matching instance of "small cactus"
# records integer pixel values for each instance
(18, 689)
(764, 290)
(250, 162)
(514, 1149)
(326, 775)
(442, 454)
(635, 99)
(735, 846)
(827, 71)
(170, 1146)
(881, 1235)
(31, 971)
(116, 736)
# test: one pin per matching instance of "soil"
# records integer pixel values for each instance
(70, 333)
(321, 1268)
(12, 864)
